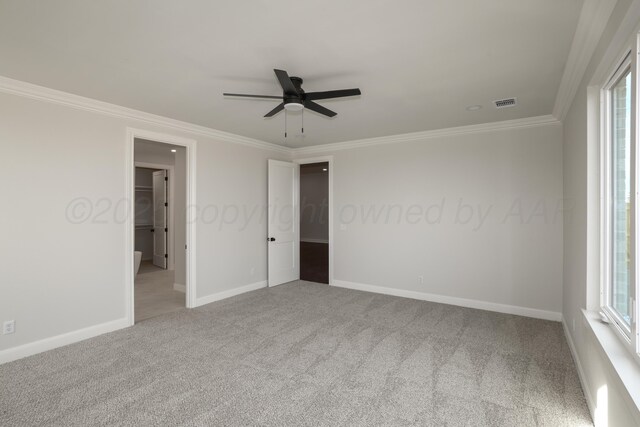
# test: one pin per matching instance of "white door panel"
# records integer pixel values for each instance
(160, 218)
(283, 228)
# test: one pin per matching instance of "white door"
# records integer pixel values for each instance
(283, 239)
(160, 218)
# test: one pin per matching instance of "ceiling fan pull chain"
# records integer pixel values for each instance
(285, 124)
(303, 120)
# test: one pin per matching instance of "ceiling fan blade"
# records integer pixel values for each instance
(276, 110)
(333, 94)
(252, 96)
(318, 108)
(285, 82)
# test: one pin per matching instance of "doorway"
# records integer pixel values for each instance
(160, 259)
(160, 200)
(314, 222)
(284, 238)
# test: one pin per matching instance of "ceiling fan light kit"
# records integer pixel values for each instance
(293, 106)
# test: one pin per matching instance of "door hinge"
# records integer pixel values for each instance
(166, 204)
(166, 229)
(166, 178)
(166, 255)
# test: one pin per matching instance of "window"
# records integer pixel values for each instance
(620, 204)
(619, 136)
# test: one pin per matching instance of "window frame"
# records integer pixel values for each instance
(621, 72)
(624, 68)
(627, 63)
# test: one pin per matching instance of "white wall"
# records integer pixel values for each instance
(314, 206)
(180, 218)
(232, 228)
(59, 277)
(580, 167)
(167, 159)
(477, 215)
(144, 176)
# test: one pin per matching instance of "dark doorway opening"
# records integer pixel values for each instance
(314, 222)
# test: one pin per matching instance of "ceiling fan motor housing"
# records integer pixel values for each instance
(293, 102)
(297, 82)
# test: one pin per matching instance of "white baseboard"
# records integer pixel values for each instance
(591, 403)
(304, 239)
(180, 288)
(462, 302)
(230, 293)
(50, 343)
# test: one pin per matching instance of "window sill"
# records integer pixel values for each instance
(623, 363)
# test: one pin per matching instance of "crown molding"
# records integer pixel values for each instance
(620, 44)
(16, 87)
(29, 90)
(528, 122)
(591, 24)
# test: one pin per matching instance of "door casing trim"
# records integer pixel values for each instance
(190, 251)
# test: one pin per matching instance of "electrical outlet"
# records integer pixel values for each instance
(8, 327)
(420, 280)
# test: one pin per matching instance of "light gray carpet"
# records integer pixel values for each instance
(305, 354)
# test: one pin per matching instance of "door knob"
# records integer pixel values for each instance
(271, 239)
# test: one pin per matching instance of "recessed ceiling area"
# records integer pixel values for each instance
(419, 64)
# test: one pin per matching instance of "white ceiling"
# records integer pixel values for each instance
(418, 63)
(143, 149)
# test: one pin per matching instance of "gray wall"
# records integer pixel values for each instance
(59, 154)
(475, 215)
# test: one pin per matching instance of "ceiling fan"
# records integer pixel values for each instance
(294, 98)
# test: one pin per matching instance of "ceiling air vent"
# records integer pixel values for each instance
(504, 103)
